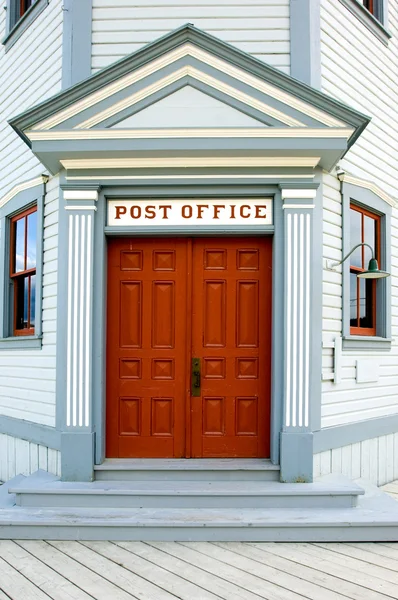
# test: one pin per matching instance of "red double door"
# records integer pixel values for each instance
(189, 347)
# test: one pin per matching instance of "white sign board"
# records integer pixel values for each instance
(188, 213)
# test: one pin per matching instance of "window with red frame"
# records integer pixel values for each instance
(364, 227)
(23, 270)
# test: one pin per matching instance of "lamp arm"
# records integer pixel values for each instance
(336, 264)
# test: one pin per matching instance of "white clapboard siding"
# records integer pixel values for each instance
(260, 27)
(360, 71)
(27, 377)
(20, 457)
(375, 459)
(30, 72)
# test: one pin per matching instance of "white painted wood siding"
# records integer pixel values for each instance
(19, 457)
(360, 71)
(375, 460)
(27, 377)
(260, 27)
(30, 72)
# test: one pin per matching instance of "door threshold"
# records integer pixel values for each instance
(191, 464)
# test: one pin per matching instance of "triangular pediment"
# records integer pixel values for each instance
(188, 107)
(189, 86)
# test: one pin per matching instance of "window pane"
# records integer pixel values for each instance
(19, 264)
(370, 237)
(32, 300)
(353, 300)
(25, 302)
(356, 237)
(31, 247)
(366, 303)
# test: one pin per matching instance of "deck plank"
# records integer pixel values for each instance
(149, 571)
(45, 578)
(208, 563)
(229, 552)
(369, 573)
(222, 588)
(109, 571)
(75, 572)
(366, 556)
(350, 583)
(16, 586)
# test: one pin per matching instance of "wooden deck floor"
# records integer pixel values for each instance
(38, 570)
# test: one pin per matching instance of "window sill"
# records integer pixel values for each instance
(23, 23)
(21, 342)
(365, 342)
(368, 20)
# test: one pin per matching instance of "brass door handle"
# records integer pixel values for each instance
(195, 377)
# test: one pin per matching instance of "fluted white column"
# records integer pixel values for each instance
(80, 208)
(298, 205)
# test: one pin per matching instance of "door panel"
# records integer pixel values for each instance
(146, 348)
(231, 332)
(173, 300)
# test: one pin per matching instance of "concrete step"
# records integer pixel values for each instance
(44, 490)
(371, 522)
(207, 469)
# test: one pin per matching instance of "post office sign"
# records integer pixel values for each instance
(188, 213)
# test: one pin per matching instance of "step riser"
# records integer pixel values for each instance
(182, 501)
(340, 533)
(186, 475)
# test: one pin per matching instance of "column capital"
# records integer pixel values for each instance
(298, 198)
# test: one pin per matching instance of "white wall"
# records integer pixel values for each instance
(375, 460)
(29, 73)
(22, 457)
(260, 27)
(359, 70)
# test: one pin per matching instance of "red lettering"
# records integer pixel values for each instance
(135, 212)
(186, 211)
(217, 208)
(201, 208)
(232, 207)
(150, 212)
(165, 208)
(246, 216)
(120, 210)
(258, 209)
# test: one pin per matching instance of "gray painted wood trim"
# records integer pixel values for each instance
(377, 25)
(21, 201)
(367, 199)
(31, 432)
(352, 433)
(305, 41)
(16, 27)
(77, 36)
(185, 34)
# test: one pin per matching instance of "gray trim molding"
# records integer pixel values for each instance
(77, 35)
(352, 433)
(16, 26)
(190, 34)
(21, 201)
(376, 24)
(305, 41)
(367, 199)
(31, 432)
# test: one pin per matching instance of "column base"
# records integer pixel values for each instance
(77, 456)
(297, 457)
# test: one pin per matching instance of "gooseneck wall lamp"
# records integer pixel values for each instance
(373, 271)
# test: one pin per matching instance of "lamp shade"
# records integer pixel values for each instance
(373, 271)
